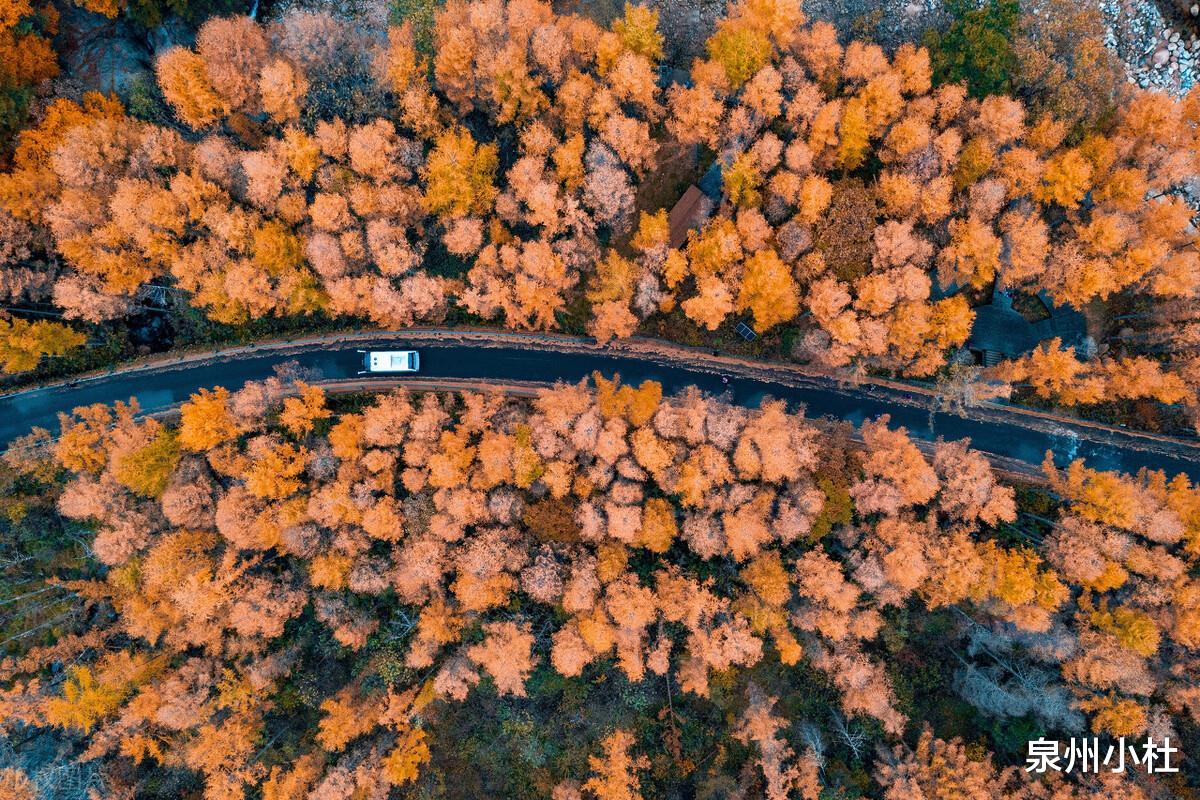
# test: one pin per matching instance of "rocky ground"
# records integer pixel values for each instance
(1160, 50)
(371, 14)
(888, 22)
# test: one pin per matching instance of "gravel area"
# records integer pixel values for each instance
(1158, 53)
(887, 22)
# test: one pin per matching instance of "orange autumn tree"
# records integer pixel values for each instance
(615, 773)
(760, 727)
(257, 216)
(469, 514)
(1118, 532)
(1056, 373)
(26, 189)
(581, 101)
(784, 105)
(27, 59)
(850, 184)
(971, 192)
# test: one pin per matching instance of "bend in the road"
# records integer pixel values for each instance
(1013, 436)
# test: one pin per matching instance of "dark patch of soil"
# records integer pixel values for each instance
(1179, 14)
(151, 332)
(843, 235)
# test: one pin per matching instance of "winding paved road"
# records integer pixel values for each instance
(1016, 439)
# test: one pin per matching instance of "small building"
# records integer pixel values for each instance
(695, 206)
(1000, 332)
(712, 182)
(687, 214)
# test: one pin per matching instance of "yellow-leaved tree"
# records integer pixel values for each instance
(459, 175)
(23, 343)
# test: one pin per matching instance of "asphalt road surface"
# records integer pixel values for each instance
(999, 433)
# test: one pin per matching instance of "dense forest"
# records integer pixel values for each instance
(507, 164)
(598, 592)
(593, 591)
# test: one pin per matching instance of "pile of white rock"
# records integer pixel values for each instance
(1156, 54)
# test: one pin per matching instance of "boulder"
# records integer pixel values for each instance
(100, 54)
(172, 32)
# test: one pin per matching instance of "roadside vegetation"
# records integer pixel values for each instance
(596, 593)
(504, 164)
(599, 593)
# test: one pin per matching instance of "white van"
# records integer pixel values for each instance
(390, 361)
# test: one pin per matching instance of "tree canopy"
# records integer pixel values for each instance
(274, 534)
